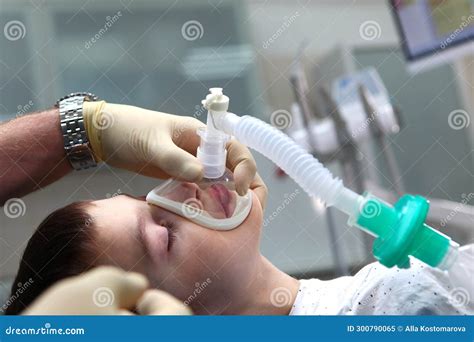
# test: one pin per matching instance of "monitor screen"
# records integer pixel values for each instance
(429, 27)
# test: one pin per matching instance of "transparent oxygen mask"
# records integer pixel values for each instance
(212, 203)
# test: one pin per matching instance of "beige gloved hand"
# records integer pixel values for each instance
(157, 302)
(156, 144)
(260, 189)
(105, 291)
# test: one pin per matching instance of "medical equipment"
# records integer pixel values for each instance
(431, 32)
(212, 202)
(400, 230)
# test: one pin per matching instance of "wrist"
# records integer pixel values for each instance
(95, 123)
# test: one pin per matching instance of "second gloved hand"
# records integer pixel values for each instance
(105, 291)
(156, 144)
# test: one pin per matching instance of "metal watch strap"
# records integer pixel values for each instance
(73, 130)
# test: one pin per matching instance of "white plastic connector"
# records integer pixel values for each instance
(306, 170)
(216, 101)
(212, 152)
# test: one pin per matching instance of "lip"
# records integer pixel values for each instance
(222, 195)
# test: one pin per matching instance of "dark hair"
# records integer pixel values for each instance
(62, 246)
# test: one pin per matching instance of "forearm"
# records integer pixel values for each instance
(31, 154)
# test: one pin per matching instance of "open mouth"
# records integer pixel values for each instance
(223, 197)
(213, 205)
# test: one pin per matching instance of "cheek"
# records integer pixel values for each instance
(215, 249)
(202, 253)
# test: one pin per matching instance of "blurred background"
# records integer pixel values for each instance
(272, 58)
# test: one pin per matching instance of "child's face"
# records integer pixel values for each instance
(175, 254)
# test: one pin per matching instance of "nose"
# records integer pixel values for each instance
(189, 190)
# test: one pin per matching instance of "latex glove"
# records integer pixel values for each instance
(105, 291)
(260, 189)
(157, 144)
(156, 302)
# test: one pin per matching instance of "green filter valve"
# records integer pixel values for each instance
(400, 231)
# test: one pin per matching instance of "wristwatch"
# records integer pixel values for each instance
(76, 143)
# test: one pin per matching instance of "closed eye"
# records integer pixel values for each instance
(139, 233)
(171, 227)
